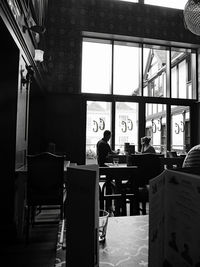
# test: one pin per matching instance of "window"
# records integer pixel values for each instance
(156, 126)
(135, 84)
(96, 66)
(127, 58)
(180, 128)
(98, 120)
(126, 125)
(183, 73)
(167, 3)
(155, 62)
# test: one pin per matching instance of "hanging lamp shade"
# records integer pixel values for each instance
(191, 14)
(39, 55)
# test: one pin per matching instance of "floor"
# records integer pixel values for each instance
(41, 250)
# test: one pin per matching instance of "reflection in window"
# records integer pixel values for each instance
(180, 129)
(167, 3)
(126, 68)
(183, 73)
(96, 66)
(98, 120)
(126, 125)
(155, 62)
(156, 126)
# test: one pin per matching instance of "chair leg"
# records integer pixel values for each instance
(144, 212)
(27, 224)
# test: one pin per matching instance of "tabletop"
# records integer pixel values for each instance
(126, 242)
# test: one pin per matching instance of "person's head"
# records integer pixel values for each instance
(107, 135)
(145, 140)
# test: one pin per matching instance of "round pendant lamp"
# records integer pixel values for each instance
(191, 14)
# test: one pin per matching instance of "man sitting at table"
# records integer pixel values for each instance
(103, 149)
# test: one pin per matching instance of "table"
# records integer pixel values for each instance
(113, 188)
(126, 243)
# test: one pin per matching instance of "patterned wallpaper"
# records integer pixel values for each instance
(67, 20)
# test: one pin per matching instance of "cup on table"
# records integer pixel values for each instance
(115, 161)
(103, 221)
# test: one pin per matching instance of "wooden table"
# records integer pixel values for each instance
(113, 188)
(126, 243)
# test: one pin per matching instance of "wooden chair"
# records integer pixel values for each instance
(45, 184)
(112, 196)
(171, 162)
(148, 167)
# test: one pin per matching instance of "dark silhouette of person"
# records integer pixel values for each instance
(103, 149)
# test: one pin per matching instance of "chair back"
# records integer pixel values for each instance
(148, 167)
(171, 154)
(45, 179)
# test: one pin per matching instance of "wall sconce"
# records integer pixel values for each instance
(39, 55)
(35, 28)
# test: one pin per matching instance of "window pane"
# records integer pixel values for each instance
(156, 126)
(126, 69)
(126, 125)
(183, 73)
(180, 129)
(154, 71)
(96, 66)
(98, 120)
(167, 3)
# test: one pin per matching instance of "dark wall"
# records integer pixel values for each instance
(36, 138)
(8, 107)
(65, 125)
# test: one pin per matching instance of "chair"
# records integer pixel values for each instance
(172, 154)
(148, 167)
(45, 184)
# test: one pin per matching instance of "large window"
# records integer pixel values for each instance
(116, 68)
(136, 89)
